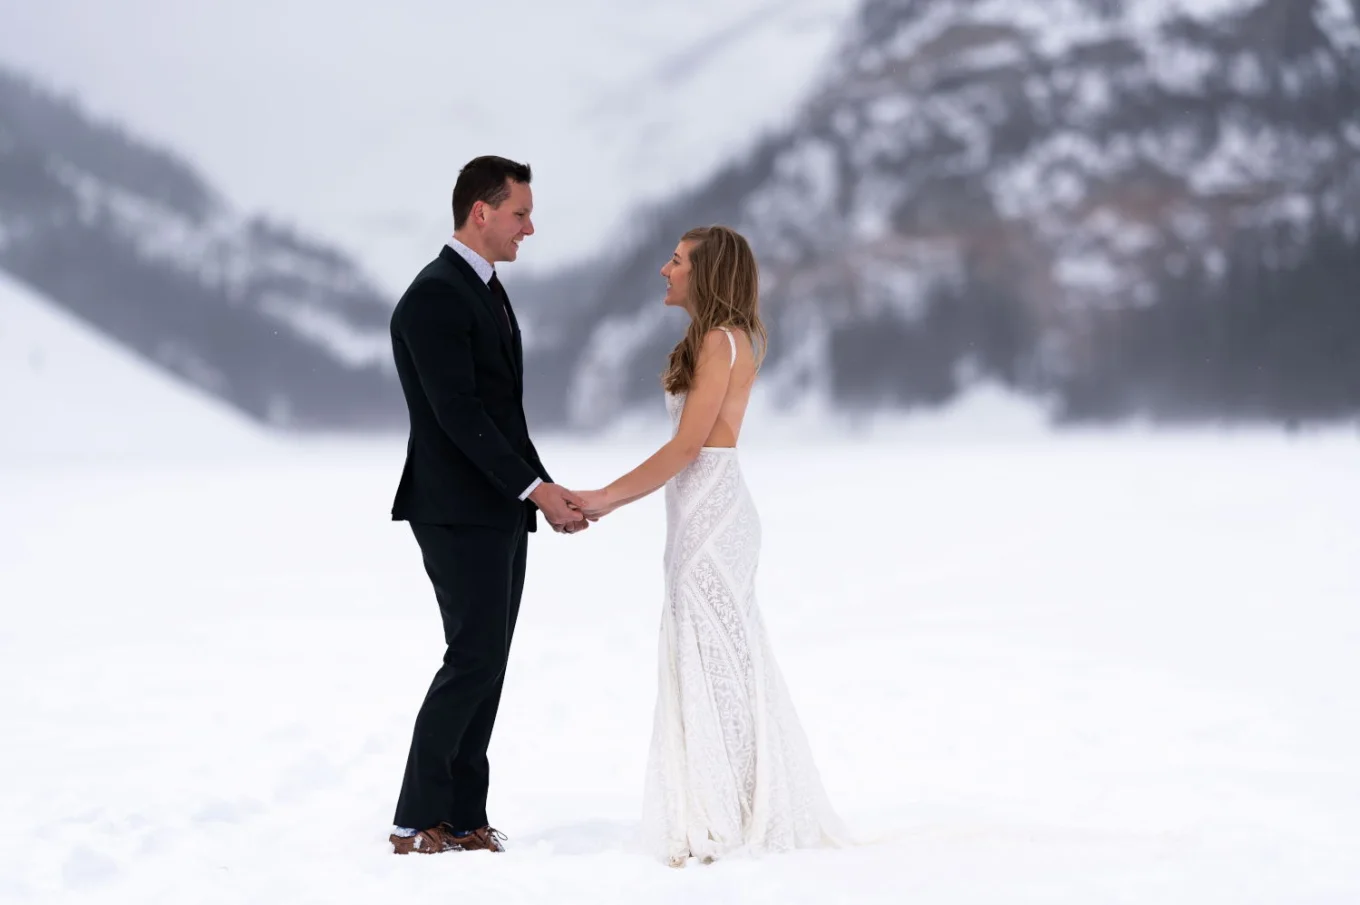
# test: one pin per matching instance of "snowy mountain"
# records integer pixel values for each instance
(1116, 207)
(130, 238)
(1123, 207)
(67, 391)
(287, 326)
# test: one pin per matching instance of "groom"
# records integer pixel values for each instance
(470, 489)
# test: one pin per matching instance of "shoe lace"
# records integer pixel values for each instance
(490, 833)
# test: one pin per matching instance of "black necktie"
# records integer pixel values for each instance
(499, 292)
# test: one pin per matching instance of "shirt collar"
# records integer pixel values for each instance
(484, 268)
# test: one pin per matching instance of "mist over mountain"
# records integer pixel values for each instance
(1123, 208)
(1119, 208)
(135, 241)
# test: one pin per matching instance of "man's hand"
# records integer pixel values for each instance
(560, 507)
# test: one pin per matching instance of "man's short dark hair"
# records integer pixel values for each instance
(485, 179)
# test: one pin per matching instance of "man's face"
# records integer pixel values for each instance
(503, 227)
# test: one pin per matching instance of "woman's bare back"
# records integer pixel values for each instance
(732, 412)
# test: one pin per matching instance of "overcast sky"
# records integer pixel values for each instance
(351, 118)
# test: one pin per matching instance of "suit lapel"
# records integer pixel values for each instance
(488, 301)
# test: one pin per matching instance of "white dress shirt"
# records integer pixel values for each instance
(484, 269)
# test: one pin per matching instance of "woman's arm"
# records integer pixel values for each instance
(712, 374)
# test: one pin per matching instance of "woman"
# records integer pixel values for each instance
(730, 769)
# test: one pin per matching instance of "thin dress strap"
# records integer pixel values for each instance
(731, 341)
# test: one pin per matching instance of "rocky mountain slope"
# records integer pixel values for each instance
(1124, 207)
(135, 242)
(1119, 207)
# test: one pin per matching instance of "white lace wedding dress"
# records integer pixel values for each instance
(730, 770)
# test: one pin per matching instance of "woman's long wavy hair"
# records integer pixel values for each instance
(724, 291)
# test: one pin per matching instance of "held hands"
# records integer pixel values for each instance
(560, 507)
(569, 512)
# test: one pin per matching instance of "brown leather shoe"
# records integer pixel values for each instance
(485, 838)
(442, 838)
(426, 842)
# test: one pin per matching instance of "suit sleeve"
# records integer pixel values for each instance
(537, 463)
(438, 334)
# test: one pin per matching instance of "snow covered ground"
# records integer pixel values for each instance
(1103, 668)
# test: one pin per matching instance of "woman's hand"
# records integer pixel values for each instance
(595, 504)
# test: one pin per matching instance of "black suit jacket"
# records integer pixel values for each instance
(469, 455)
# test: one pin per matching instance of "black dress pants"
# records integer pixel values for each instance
(478, 576)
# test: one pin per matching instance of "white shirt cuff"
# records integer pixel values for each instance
(530, 489)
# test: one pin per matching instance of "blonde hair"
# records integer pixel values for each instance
(723, 292)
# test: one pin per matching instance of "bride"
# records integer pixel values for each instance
(730, 770)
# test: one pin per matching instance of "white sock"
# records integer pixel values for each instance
(403, 831)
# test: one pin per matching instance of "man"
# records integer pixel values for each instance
(470, 489)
